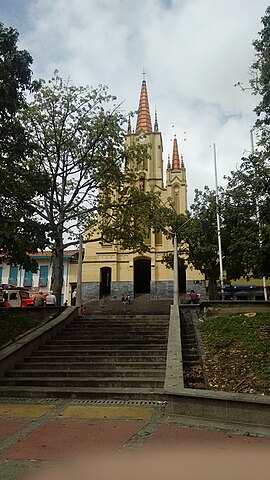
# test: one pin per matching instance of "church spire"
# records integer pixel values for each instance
(169, 163)
(175, 159)
(129, 125)
(144, 118)
(182, 162)
(156, 122)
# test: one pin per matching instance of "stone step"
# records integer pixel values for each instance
(109, 382)
(97, 356)
(105, 341)
(122, 321)
(108, 348)
(191, 363)
(99, 359)
(187, 349)
(190, 355)
(117, 330)
(82, 392)
(100, 365)
(101, 336)
(109, 316)
(189, 343)
(69, 372)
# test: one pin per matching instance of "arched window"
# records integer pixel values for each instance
(142, 183)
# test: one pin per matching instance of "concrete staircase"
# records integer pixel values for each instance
(108, 356)
(192, 363)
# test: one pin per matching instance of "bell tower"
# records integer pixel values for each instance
(176, 185)
(152, 169)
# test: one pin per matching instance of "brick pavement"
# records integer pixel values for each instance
(33, 432)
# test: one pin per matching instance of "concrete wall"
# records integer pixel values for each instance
(221, 406)
(207, 404)
(211, 309)
(26, 344)
(90, 291)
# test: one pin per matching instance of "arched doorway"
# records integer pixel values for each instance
(105, 281)
(182, 284)
(142, 275)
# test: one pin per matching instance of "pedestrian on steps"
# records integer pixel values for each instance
(124, 301)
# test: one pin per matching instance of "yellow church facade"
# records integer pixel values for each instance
(110, 271)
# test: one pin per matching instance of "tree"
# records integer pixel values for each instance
(197, 237)
(20, 178)
(247, 215)
(78, 139)
(260, 71)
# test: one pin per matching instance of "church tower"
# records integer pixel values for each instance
(176, 184)
(151, 173)
(110, 271)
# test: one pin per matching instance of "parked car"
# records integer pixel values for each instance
(15, 297)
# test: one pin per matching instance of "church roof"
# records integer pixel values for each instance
(175, 159)
(144, 118)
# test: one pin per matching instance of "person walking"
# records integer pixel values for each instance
(124, 301)
(50, 300)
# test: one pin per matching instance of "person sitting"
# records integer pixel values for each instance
(193, 297)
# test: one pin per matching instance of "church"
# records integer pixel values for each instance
(110, 271)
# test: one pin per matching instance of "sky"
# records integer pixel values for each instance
(193, 53)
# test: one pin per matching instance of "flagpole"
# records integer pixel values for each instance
(218, 227)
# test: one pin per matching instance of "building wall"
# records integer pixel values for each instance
(121, 263)
(69, 275)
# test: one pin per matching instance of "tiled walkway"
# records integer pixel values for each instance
(35, 432)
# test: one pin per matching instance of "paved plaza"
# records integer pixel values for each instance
(37, 433)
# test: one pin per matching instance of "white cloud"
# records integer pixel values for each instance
(194, 51)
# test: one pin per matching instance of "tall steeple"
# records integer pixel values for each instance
(175, 159)
(144, 119)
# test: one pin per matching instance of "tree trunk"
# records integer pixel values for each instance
(212, 289)
(57, 273)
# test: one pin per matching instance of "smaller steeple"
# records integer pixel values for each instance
(175, 160)
(129, 125)
(182, 162)
(156, 122)
(169, 163)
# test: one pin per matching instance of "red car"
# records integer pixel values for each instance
(16, 297)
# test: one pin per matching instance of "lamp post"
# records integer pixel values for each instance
(218, 227)
(175, 262)
(175, 272)
(79, 276)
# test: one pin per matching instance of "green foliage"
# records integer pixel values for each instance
(20, 177)
(260, 80)
(252, 333)
(78, 138)
(197, 236)
(246, 215)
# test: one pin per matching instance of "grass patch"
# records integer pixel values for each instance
(11, 326)
(252, 334)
